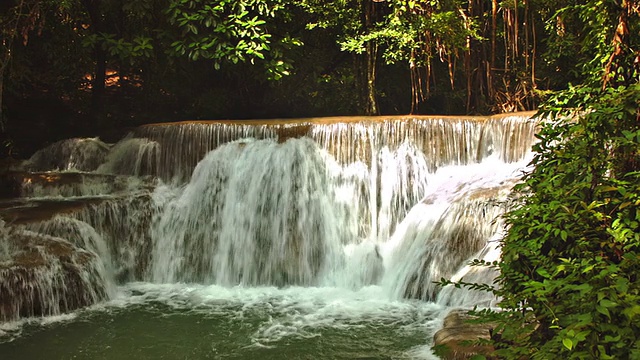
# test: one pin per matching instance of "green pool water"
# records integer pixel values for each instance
(147, 321)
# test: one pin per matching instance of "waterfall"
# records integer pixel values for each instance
(131, 156)
(455, 222)
(255, 212)
(392, 202)
(70, 154)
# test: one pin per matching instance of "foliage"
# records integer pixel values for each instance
(417, 32)
(568, 282)
(122, 62)
(579, 39)
(17, 20)
(231, 31)
(567, 270)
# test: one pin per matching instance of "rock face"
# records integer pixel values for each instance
(455, 340)
(21, 211)
(21, 184)
(44, 275)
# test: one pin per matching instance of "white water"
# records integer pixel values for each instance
(300, 310)
(261, 213)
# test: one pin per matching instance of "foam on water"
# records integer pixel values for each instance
(292, 312)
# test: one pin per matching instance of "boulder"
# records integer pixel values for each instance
(458, 337)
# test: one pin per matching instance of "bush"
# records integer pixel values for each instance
(570, 258)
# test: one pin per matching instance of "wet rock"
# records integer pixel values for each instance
(292, 131)
(43, 275)
(23, 211)
(458, 337)
(115, 228)
(66, 184)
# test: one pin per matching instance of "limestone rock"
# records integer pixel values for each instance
(23, 211)
(454, 340)
(16, 184)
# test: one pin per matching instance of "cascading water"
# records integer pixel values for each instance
(254, 213)
(45, 275)
(302, 228)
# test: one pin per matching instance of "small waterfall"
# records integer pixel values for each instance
(442, 140)
(435, 242)
(81, 154)
(124, 224)
(452, 296)
(73, 184)
(43, 275)
(395, 202)
(185, 144)
(132, 156)
(115, 229)
(453, 224)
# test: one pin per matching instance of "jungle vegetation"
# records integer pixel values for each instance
(567, 279)
(87, 67)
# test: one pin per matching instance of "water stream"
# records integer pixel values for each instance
(318, 238)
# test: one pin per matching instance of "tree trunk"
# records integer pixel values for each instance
(618, 72)
(372, 102)
(492, 63)
(98, 83)
(367, 63)
(96, 109)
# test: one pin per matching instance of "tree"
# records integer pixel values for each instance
(226, 31)
(416, 32)
(353, 19)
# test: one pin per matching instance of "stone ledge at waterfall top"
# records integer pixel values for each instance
(343, 119)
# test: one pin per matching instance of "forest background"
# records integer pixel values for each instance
(99, 67)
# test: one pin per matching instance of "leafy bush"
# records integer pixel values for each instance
(569, 279)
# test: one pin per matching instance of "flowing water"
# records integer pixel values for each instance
(311, 239)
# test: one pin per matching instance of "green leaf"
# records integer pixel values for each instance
(568, 343)
(607, 303)
(603, 310)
